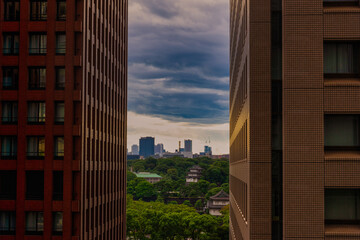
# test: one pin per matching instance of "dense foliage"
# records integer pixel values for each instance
(215, 176)
(156, 220)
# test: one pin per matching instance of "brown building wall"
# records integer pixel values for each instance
(94, 128)
(307, 170)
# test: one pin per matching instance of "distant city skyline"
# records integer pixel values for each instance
(174, 146)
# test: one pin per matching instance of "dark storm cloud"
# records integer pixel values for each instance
(178, 59)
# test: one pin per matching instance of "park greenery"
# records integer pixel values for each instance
(156, 220)
(148, 215)
(215, 176)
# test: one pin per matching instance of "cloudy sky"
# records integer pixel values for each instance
(178, 72)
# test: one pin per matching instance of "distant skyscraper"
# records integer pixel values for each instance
(134, 149)
(188, 145)
(207, 150)
(146, 146)
(159, 148)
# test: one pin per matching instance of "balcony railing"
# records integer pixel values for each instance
(9, 120)
(36, 120)
(37, 51)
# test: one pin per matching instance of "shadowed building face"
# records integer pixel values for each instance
(63, 81)
(294, 118)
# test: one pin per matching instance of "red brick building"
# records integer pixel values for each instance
(63, 81)
(294, 119)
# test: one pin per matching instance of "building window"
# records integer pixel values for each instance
(59, 148)
(341, 58)
(8, 185)
(8, 147)
(10, 78)
(9, 112)
(59, 112)
(35, 147)
(37, 44)
(60, 43)
(11, 10)
(57, 223)
(58, 182)
(61, 10)
(342, 206)
(341, 131)
(34, 185)
(38, 10)
(11, 43)
(34, 224)
(60, 78)
(7, 223)
(36, 112)
(37, 78)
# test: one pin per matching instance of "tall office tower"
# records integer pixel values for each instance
(188, 145)
(63, 119)
(159, 148)
(147, 146)
(294, 119)
(135, 149)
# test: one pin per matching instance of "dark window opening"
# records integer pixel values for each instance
(9, 113)
(7, 223)
(35, 147)
(34, 185)
(38, 10)
(37, 44)
(58, 182)
(34, 223)
(8, 185)
(342, 206)
(36, 112)
(11, 43)
(8, 147)
(12, 10)
(341, 59)
(341, 132)
(10, 78)
(37, 78)
(61, 10)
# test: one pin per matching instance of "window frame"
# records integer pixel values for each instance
(14, 112)
(60, 50)
(14, 77)
(60, 17)
(356, 57)
(38, 230)
(11, 219)
(39, 50)
(38, 119)
(38, 15)
(12, 154)
(37, 154)
(355, 221)
(13, 16)
(59, 120)
(343, 148)
(36, 84)
(12, 50)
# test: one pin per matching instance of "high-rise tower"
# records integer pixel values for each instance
(63, 119)
(294, 119)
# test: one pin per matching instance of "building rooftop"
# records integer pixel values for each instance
(220, 195)
(147, 175)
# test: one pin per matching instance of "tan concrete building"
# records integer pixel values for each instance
(294, 119)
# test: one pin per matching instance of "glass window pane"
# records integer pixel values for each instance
(30, 224)
(61, 10)
(341, 130)
(4, 221)
(341, 204)
(330, 58)
(345, 58)
(60, 112)
(57, 221)
(60, 77)
(59, 146)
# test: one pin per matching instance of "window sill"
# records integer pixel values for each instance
(342, 8)
(344, 82)
(342, 230)
(341, 155)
